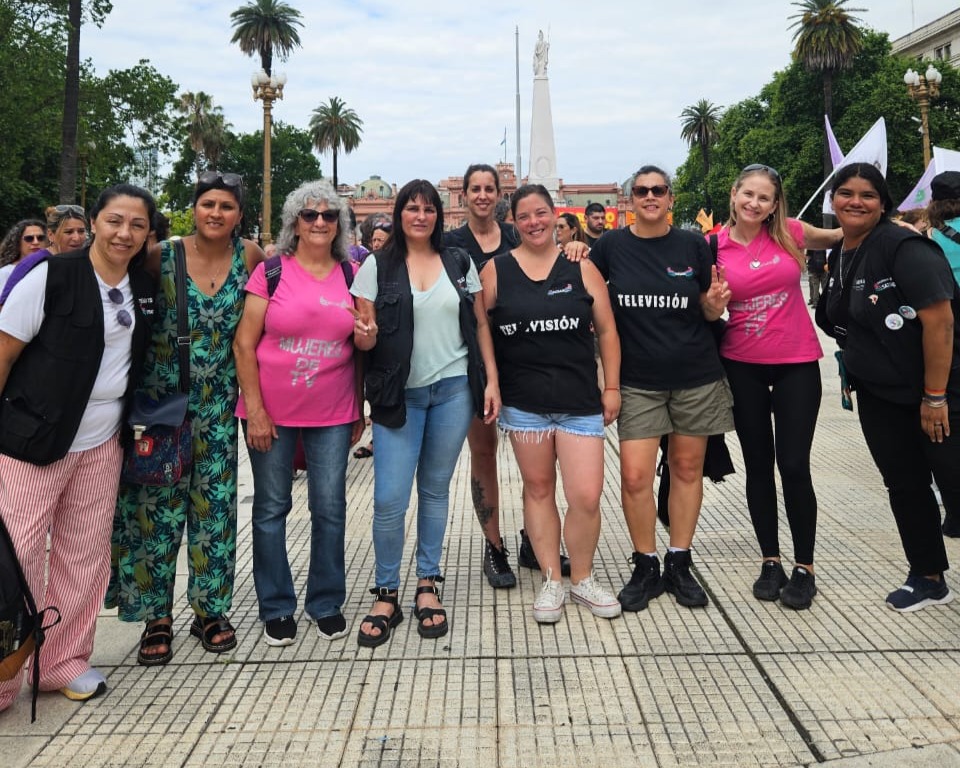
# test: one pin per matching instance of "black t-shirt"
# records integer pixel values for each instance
(655, 285)
(543, 340)
(462, 237)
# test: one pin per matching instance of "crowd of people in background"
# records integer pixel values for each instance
(523, 321)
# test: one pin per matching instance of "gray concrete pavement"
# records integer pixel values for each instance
(739, 683)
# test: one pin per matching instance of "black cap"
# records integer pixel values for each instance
(946, 186)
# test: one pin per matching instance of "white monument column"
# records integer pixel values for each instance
(542, 162)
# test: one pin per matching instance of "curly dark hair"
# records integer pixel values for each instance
(10, 245)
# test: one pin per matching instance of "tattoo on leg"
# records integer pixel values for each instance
(484, 511)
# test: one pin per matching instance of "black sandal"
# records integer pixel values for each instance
(384, 623)
(158, 634)
(207, 628)
(430, 631)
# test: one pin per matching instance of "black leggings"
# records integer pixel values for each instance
(905, 457)
(791, 393)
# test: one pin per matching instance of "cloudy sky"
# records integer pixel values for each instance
(435, 83)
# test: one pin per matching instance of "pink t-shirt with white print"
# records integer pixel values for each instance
(769, 320)
(306, 351)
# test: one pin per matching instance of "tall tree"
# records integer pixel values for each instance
(698, 127)
(827, 40)
(337, 128)
(205, 128)
(264, 28)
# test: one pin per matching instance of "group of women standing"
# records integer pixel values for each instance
(480, 326)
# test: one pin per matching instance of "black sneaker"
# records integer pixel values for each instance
(280, 632)
(496, 567)
(772, 580)
(679, 582)
(528, 559)
(919, 592)
(951, 526)
(644, 585)
(332, 627)
(799, 592)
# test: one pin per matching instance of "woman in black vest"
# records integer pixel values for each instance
(71, 333)
(894, 308)
(542, 307)
(416, 301)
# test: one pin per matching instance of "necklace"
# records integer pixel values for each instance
(216, 276)
(853, 259)
(753, 258)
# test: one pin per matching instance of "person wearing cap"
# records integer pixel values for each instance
(150, 520)
(943, 213)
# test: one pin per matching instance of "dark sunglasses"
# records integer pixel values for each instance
(310, 215)
(123, 317)
(658, 190)
(762, 167)
(384, 226)
(234, 180)
(34, 238)
(76, 210)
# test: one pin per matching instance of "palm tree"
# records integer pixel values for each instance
(336, 128)
(698, 128)
(265, 27)
(71, 107)
(827, 40)
(206, 127)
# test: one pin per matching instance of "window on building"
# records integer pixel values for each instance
(947, 52)
(938, 54)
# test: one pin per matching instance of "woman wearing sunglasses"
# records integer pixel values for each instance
(298, 378)
(664, 289)
(72, 337)
(22, 239)
(770, 352)
(151, 519)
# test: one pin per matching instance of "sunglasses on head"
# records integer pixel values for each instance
(658, 190)
(310, 215)
(73, 209)
(234, 180)
(34, 238)
(762, 167)
(385, 226)
(123, 317)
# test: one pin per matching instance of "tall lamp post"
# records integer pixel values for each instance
(267, 88)
(924, 89)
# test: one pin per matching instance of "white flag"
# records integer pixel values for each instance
(943, 160)
(872, 148)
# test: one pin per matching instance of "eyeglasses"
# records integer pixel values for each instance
(229, 179)
(34, 238)
(762, 167)
(310, 215)
(123, 317)
(76, 210)
(658, 190)
(385, 226)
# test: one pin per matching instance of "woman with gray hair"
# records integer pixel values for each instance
(298, 377)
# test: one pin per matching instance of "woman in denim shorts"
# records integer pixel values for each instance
(541, 310)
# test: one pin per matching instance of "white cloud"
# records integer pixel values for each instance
(435, 83)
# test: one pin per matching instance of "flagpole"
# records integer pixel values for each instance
(518, 174)
(819, 190)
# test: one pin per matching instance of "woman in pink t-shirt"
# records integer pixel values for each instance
(770, 351)
(298, 377)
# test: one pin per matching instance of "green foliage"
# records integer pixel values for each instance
(336, 128)
(783, 127)
(264, 28)
(827, 36)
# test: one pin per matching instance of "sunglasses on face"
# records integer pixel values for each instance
(659, 190)
(123, 317)
(233, 180)
(34, 238)
(310, 215)
(762, 167)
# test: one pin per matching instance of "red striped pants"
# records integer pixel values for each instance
(74, 499)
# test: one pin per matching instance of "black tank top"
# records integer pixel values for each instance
(543, 340)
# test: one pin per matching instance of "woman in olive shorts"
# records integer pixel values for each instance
(664, 288)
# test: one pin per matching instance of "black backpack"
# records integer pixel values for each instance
(273, 268)
(22, 626)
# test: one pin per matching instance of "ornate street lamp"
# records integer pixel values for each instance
(267, 88)
(924, 89)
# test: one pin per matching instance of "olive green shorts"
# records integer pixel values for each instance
(699, 411)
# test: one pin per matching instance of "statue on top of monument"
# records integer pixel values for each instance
(540, 54)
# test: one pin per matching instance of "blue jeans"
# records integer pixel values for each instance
(326, 449)
(429, 445)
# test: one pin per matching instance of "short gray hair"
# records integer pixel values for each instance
(307, 194)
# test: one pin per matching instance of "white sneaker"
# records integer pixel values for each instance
(549, 605)
(590, 594)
